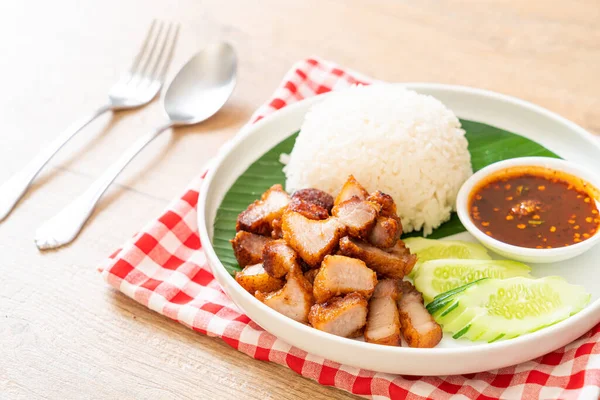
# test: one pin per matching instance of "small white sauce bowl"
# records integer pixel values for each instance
(525, 254)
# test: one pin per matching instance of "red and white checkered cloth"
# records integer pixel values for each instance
(163, 267)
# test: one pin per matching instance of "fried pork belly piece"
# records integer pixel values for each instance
(305, 267)
(357, 215)
(417, 325)
(357, 333)
(248, 248)
(388, 228)
(309, 210)
(385, 233)
(314, 196)
(388, 206)
(401, 251)
(279, 258)
(311, 239)
(257, 218)
(276, 233)
(342, 316)
(310, 275)
(294, 299)
(340, 275)
(351, 189)
(383, 323)
(254, 278)
(393, 263)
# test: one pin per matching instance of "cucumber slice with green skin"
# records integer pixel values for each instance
(431, 249)
(501, 336)
(450, 293)
(438, 276)
(448, 309)
(443, 309)
(443, 300)
(501, 309)
(442, 317)
(480, 332)
(456, 322)
(460, 333)
(477, 331)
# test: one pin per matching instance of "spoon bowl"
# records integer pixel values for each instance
(202, 86)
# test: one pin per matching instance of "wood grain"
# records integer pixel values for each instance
(64, 333)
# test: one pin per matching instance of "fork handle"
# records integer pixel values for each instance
(13, 189)
(66, 225)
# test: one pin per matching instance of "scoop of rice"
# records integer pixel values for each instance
(405, 144)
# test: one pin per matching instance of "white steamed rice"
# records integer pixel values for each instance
(391, 139)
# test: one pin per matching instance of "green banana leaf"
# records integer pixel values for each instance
(487, 145)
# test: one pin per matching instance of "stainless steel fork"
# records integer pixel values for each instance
(137, 87)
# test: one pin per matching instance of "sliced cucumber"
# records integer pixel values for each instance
(477, 332)
(453, 322)
(498, 309)
(439, 303)
(439, 276)
(431, 249)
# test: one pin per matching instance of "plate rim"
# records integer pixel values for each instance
(591, 310)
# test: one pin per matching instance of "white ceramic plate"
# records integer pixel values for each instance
(451, 356)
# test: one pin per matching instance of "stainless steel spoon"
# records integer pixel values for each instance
(199, 90)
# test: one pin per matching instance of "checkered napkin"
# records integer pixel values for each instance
(163, 267)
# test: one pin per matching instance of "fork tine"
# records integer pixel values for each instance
(140, 54)
(149, 56)
(165, 65)
(159, 58)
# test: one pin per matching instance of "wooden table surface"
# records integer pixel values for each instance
(64, 333)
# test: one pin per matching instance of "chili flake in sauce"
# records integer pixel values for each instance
(535, 207)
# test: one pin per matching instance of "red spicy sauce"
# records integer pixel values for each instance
(535, 207)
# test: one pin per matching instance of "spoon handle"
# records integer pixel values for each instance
(66, 225)
(13, 189)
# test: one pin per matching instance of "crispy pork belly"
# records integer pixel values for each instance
(393, 263)
(257, 218)
(309, 210)
(342, 316)
(417, 325)
(311, 239)
(357, 215)
(340, 275)
(401, 251)
(305, 267)
(276, 233)
(388, 206)
(294, 299)
(351, 189)
(310, 275)
(315, 196)
(279, 258)
(254, 278)
(385, 233)
(357, 333)
(385, 229)
(248, 248)
(383, 323)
